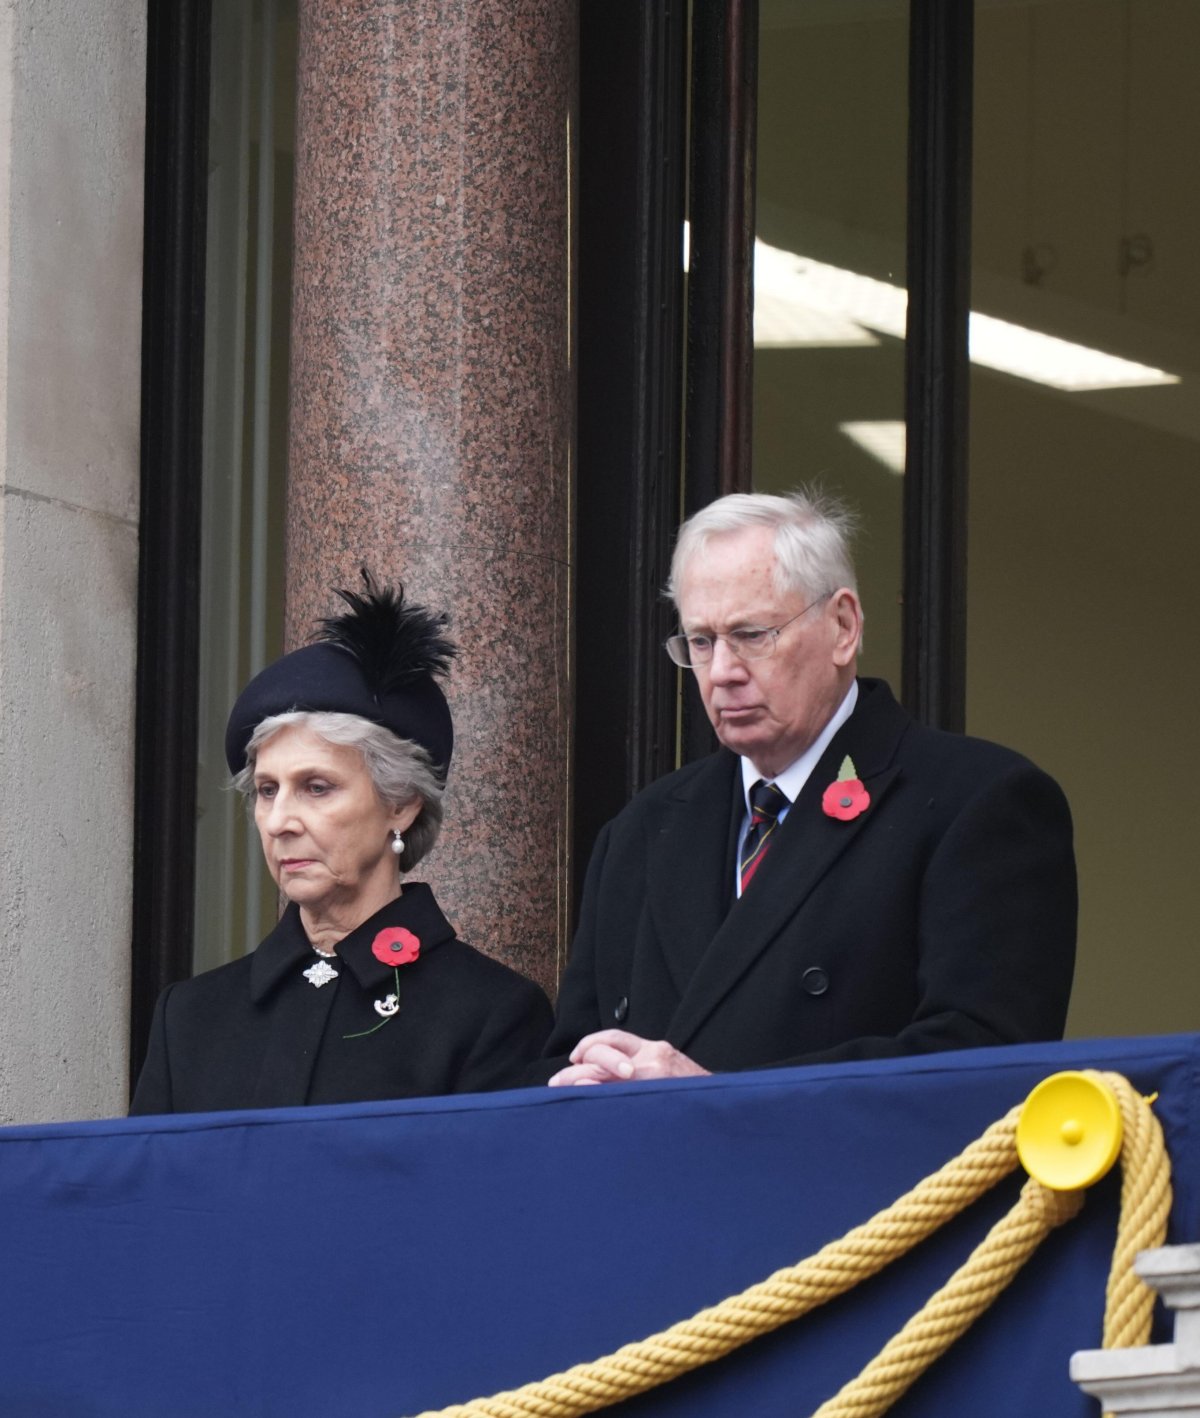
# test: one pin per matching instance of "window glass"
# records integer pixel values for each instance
(829, 300)
(1085, 464)
(247, 296)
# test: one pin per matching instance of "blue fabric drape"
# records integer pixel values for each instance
(385, 1258)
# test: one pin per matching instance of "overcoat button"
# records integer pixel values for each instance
(622, 1009)
(815, 980)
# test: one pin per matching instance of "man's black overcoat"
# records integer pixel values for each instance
(257, 1034)
(940, 918)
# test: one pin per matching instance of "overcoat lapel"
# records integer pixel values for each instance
(689, 867)
(807, 846)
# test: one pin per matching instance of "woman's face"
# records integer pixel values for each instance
(325, 833)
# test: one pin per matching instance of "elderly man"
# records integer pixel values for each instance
(837, 881)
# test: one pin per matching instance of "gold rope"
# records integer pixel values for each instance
(842, 1264)
(1145, 1206)
(954, 1308)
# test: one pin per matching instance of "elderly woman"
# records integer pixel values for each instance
(362, 991)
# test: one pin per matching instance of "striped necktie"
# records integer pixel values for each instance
(766, 803)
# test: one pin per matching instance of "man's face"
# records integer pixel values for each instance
(767, 710)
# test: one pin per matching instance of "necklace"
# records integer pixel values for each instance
(324, 954)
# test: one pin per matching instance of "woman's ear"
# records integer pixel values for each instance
(404, 816)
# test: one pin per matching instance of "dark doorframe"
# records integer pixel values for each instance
(937, 379)
(720, 328)
(626, 510)
(720, 339)
(937, 374)
(169, 562)
(632, 105)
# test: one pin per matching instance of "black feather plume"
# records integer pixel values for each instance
(395, 644)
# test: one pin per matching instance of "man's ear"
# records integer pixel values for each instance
(848, 615)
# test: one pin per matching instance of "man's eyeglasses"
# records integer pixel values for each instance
(750, 642)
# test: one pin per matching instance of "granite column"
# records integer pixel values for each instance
(432, 400)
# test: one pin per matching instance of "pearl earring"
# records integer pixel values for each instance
(397, 841)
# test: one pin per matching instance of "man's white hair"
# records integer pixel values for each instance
(812, 538)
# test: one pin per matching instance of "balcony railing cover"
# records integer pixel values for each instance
(384, 1259)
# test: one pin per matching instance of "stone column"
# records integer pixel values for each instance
(72, 169)
(432, 400)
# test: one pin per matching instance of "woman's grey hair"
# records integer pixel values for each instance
(400, 770)
(813, 532)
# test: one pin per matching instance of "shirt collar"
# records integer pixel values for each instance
(795, 775)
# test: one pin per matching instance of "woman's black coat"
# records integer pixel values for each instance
(258, 1034)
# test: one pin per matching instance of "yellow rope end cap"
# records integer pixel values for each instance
(1069, 1131)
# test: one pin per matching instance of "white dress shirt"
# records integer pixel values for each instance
(794, 776)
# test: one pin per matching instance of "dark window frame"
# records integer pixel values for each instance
(629, 432)
(177, 86)
(720, 338)
(937, 369)
(720, 327)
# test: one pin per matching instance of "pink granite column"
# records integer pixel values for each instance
(432, 400)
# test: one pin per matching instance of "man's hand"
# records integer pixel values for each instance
(613, 1056)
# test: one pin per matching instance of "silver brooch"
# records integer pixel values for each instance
(386, 1007)
(320, 973)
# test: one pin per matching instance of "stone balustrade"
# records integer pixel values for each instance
(1159, 1380)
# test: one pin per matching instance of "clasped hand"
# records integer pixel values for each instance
(613, 1056)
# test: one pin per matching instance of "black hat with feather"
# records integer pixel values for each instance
(377, 659)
